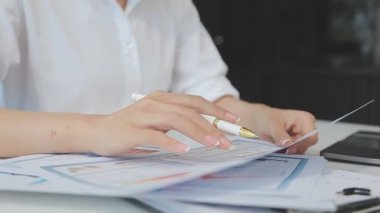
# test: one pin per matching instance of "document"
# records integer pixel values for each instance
(164, 205)
(142, 170)
(295, 189)
(274, 181)
(333, 182)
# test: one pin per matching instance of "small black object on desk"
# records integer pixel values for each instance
(355, 191)
(359, 205)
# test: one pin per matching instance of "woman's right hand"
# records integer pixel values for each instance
(146, 122)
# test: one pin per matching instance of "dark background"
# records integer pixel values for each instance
(286, 53)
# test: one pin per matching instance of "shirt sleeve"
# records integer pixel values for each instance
(9, 36)
(198, 67)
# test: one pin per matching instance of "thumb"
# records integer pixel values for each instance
(280, 136)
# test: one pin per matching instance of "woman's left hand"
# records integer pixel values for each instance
(285, 126)
(281, 126)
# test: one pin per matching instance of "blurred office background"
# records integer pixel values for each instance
(322, 56)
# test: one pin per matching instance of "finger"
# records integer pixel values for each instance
(215, 136)
(306, 122)
(185, 120)
(305, 125)
(295, 130)
(161, 140)
(280, 135)
(291, 151)
(304, 145)
(296, 149)
(165, 121)
(196, 102)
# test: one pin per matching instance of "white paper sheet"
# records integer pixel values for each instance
(141, 171)
(169, 206)
(333, 181)
(275, 181)
(319, 195)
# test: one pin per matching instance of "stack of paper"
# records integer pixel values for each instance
(140, 171)
(249, 175)
(321, 198)
(275, 181)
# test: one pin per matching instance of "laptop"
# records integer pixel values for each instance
(361, 147)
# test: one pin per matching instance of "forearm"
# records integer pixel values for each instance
(23, 133)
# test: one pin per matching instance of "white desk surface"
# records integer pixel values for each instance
(39, 202)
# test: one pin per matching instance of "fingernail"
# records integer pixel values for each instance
(231, 147)
(212, 141)
(182, 148)
(291, 151)
(282, 143)
(232, 117)
(225, 143)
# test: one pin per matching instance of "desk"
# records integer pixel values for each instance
(38, 202)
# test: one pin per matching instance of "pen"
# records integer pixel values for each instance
(220, 124)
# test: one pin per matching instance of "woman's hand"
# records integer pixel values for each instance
(278, 125)
(285, 126)
(147, 121)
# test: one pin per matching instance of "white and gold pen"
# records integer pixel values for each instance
(225, 126)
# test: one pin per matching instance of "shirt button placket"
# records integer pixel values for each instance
(131, 62)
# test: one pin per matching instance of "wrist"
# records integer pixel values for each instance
(78, 134)
(251, 114)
